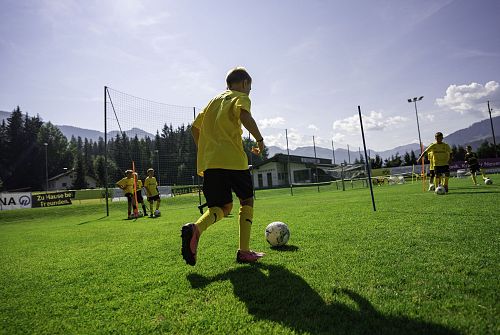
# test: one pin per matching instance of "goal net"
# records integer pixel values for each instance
(145, 134)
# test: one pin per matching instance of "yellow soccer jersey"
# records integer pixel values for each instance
(151, 186)
(431, 160)
(220, 144)
(127, 184)
(440, 153)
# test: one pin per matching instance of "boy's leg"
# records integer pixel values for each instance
(242, 186)
(245, 220)
(129, 205)
(158, 203)
(473, 176)
(208, 218)
(150, 208)
(482, 173)
(446, 177)
(218, 196)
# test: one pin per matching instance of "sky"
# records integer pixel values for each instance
(312, 62)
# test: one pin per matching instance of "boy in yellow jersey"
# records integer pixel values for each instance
(441, 155)
(127, 185)
(151, 186)
(431, 172)
(473, 162)
(223, 163)
(140, 199)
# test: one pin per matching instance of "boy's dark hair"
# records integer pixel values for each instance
(237, 75)
(439, 134)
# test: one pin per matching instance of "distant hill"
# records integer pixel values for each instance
(69, 131)
(475, 134)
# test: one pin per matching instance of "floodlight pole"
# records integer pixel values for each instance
(414, 100)
(333, 153)
(46, 169)
(493, 131)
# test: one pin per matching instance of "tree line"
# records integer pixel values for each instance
(29, 145)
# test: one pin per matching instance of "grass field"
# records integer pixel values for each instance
(420, 264)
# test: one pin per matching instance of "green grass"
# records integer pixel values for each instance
(420, 264)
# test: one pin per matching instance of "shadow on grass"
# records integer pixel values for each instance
(286, 248)
(90, 221)
(273, 293)
(472, 192)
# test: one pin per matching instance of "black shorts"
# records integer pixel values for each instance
(431, 173)
(474, 168)
(154, 198)
(444, 169)
(139, 197)
(218, 185)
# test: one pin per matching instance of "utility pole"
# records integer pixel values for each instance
(493, 131)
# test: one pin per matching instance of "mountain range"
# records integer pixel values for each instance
(474, 135)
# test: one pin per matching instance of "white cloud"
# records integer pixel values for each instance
(270, 123)
(428, 117)
(373, 121)
(469, 98)
(312, 127)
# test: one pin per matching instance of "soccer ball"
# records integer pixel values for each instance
(440, 190)
(277, 234)
(141, 214)
(157, 212)
(488, 181)
(432, 187)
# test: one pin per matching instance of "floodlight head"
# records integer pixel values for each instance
(409, 100)
(420, 98)
(415, 99)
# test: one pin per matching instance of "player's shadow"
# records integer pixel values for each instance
(273, 293)
(90, 221)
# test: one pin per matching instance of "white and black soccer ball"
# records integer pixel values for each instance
(440, 190)
(157, 212)
(488, 181)
(141, 214)
(277, 233)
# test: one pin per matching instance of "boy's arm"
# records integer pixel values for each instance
(425, 151)
(196, 134)
(249, 123)
(422, 154)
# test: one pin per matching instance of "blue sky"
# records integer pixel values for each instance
(312, 62)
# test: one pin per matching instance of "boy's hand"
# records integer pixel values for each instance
(259, 149)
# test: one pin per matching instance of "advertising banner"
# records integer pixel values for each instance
(15, 200)
(52, 199)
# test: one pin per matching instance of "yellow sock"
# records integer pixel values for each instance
(210, 217)
(245, 217)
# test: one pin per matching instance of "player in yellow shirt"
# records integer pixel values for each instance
(441, 155)
(127, 185)
(151, 187)
(223, 163)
